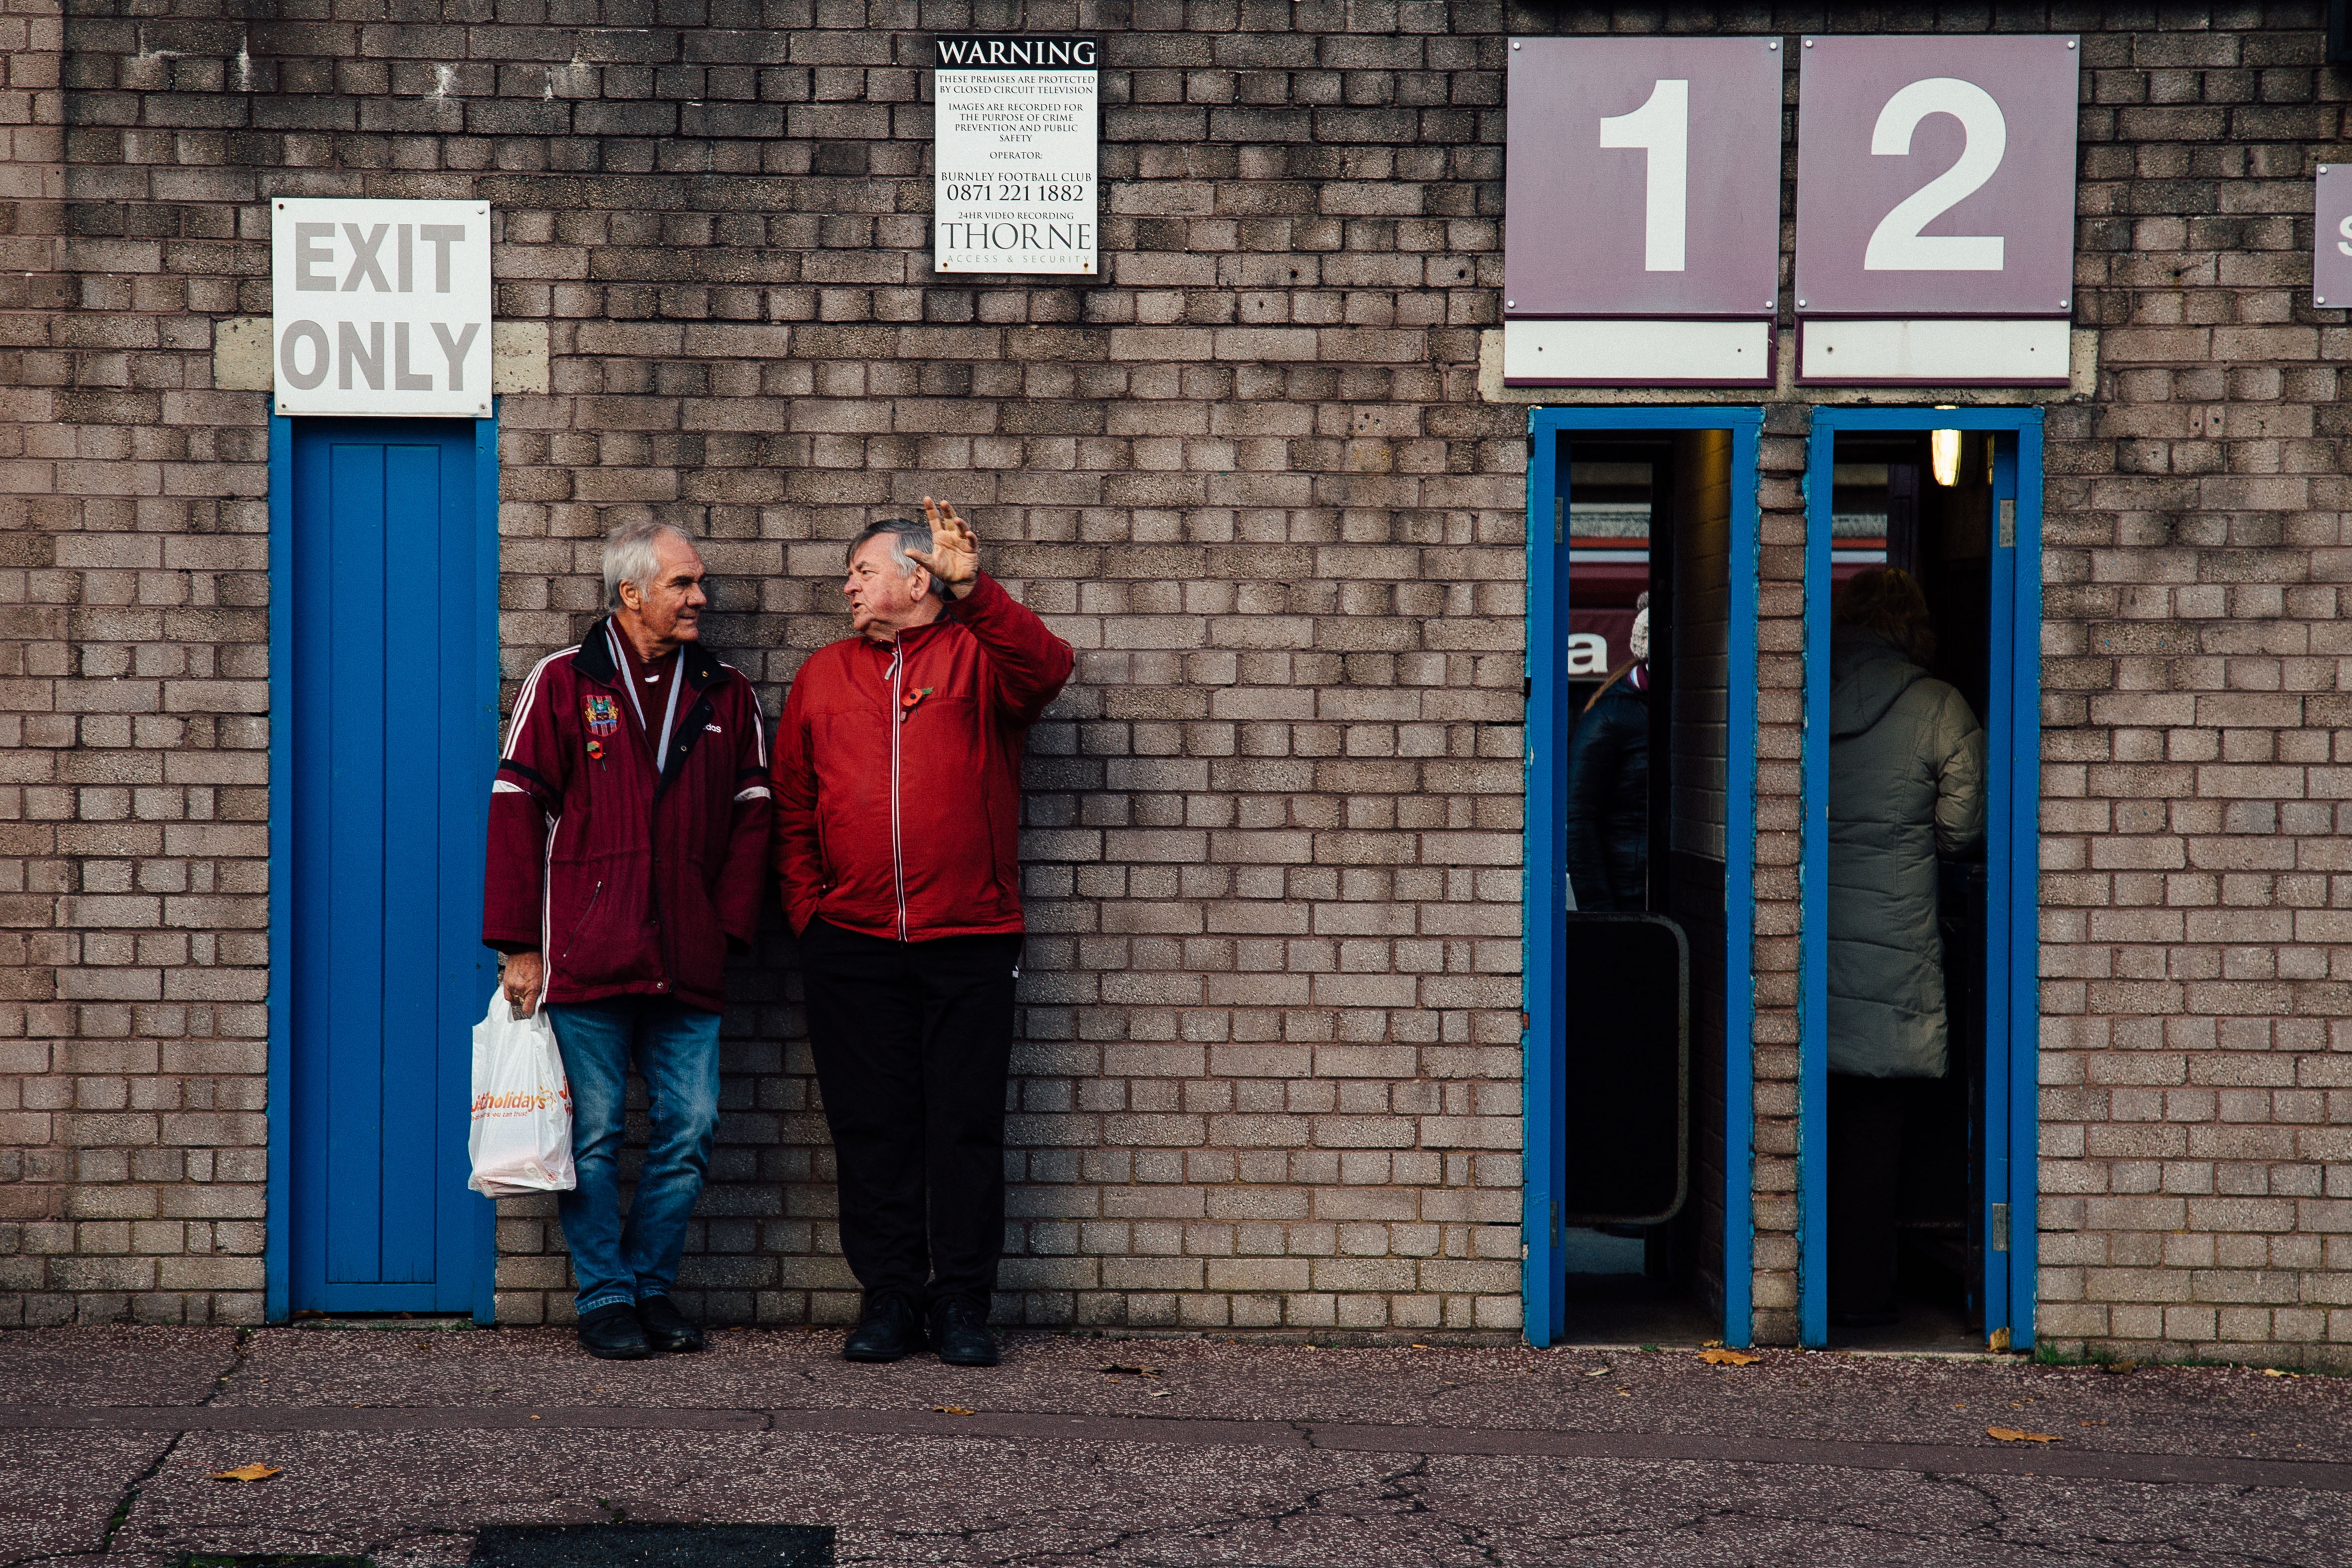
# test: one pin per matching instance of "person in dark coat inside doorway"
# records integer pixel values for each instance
(1607, 834)
(1906, 785)
(897, 780)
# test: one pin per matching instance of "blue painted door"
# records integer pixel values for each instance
(2007, 1132)
(394, 695)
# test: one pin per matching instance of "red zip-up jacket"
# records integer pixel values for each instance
(632, 881)
(897, 773)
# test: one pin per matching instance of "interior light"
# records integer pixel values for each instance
(1944, 457)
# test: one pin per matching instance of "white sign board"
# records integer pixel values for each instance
(1014, 154)
(381, 307)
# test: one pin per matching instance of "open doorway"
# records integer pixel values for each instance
(1911, 1071)
(1905, 1182)
(1638, 737)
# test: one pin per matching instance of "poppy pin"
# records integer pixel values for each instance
(907, 703)
(596, 750)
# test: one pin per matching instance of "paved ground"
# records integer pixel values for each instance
(398, 1444)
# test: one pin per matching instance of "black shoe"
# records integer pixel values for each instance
(889, 1332)
(960, 1333)
(612, 1333)
(666, 1329)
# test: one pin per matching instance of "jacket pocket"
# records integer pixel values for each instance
(1004, 864)
(573, 939)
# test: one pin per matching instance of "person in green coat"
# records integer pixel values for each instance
(1906, 786)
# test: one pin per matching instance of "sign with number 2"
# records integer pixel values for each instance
(1936, 176)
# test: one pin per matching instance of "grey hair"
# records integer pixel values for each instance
(629, 556)
(903, 531)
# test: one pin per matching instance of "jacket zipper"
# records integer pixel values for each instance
(897, 851)
(581, 924)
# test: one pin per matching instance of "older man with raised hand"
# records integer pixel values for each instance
(897, 840)
(629, 825)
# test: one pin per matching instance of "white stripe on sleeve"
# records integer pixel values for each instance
(523, 700)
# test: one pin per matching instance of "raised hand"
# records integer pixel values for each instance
(954, 555)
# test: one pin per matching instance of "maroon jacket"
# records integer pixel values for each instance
(899, 773)
(632, 883)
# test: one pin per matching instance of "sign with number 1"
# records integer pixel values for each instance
(1643, 178)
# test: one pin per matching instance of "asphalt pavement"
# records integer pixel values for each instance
(399, 1445)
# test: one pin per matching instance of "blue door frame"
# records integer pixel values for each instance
(461, 709)
(2014, 791)
(1544, 879)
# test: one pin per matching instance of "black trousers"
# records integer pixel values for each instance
(1866, 1122)
(913, 1041)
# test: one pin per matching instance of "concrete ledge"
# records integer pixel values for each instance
(2084, 371)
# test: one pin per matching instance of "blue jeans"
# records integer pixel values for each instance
(676, 1049)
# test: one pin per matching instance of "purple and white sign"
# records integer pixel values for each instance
(1643, 178)
(2331, 233)
(1936, 176)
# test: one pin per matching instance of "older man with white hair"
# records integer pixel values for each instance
(629, 827)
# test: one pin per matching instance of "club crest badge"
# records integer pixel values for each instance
(602, 718)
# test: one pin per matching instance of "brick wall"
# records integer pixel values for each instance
(2196, 1123)
(1271, 1077)
(132, 568)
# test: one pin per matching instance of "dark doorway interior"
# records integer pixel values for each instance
(1648, 524)
(1894, 502)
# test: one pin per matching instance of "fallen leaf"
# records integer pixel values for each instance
(1602, 1372)
(1719, 1356)
(1117, 1370)
(1160, 1393)
(2120, 1367)
(2094, 1422)
(953, 1410)
(1419, 1347)
(2012, 1435)
(1624, 1393)
(2273, 1372)
(1709, 1344)
(247, 1473)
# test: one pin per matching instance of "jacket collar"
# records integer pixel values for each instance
(594, 658)
(910, 639)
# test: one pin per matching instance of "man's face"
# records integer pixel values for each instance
(671, 611)
(883, 600)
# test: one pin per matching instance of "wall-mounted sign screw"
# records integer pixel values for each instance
(1773, 44)
(1808, 43)
(1510, 304)
(1800, 304)
(2316, 299)
(2070, 43)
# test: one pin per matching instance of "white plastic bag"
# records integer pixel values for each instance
(522, 1137)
